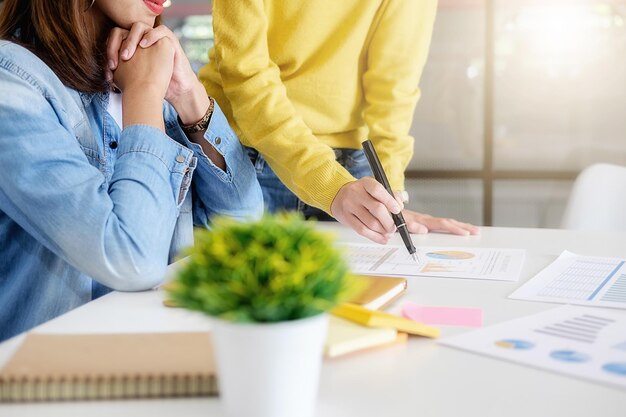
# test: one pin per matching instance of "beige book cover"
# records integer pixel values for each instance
(94, 366)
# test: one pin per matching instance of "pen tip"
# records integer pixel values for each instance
(414, 256)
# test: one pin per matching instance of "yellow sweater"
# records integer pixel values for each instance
(297, 78)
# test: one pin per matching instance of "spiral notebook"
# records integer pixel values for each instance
(48, 367)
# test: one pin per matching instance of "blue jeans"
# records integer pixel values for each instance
(277, 197)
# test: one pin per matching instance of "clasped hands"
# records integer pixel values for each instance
(152, 61)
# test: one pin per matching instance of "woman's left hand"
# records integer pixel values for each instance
(423, 223)
(123, 43)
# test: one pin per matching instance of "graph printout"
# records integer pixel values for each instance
(583, 342)
(575, 279)
(475, 263)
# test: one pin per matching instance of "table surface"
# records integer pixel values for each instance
(420, 377)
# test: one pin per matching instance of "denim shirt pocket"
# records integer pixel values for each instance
(88, 144)
(78, 120)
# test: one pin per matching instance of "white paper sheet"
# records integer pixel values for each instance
(584, 342)
(474, 263)
(576, 279)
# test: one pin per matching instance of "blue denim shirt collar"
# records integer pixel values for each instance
(87, 98)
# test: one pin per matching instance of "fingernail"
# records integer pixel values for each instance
(143, 43)
(111, 64)
(125, 53)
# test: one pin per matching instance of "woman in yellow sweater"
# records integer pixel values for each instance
(303, 83)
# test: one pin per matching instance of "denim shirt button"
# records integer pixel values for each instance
(180, 158)
(113, 145)
(218, 140)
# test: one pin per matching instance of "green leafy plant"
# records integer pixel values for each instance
(275, 269)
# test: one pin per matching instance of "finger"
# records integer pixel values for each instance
(129, 45)
(380, 212)
(114, 43)
(398, 196)
(416, 227)
(356, 224)
(447, 225)
(371, 222)
(377, 191)
(473, 230)
(153, 36)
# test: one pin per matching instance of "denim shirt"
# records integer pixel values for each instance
(85, 206)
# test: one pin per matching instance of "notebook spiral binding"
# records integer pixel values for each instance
(130, 386)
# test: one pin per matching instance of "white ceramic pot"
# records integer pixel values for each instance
(269, 370)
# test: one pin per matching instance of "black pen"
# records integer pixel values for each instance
(379, 174)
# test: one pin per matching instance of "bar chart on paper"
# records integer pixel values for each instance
(575, 279)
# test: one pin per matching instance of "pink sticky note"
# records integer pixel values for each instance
(450, 316)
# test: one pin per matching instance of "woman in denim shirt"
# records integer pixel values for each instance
(101, 190)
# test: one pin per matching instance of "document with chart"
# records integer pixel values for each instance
(583, 342)
(576, 279)
(474, 263)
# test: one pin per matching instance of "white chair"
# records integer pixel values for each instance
(598, 200)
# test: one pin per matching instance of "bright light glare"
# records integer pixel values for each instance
(167, 3)
(563, 38)
(553, 30)
(472, 72)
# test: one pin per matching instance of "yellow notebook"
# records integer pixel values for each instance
(345, 337)
(373, 318)
(105, 366)
(379, 291)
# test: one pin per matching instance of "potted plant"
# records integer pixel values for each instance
(268, 284)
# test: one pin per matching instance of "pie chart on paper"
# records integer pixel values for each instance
(616, 368)
(514, 344)
(569, 356)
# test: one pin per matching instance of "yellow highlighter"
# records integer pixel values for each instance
(374, 318)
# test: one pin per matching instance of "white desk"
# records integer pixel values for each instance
(420, 378)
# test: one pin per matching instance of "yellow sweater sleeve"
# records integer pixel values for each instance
(396, 56)
(261, 108)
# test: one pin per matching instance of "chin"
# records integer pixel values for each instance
(128, 23)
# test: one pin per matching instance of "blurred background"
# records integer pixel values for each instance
(518, 96)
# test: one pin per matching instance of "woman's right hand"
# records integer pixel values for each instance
(144, 80)
(365, 206)
(149, 69)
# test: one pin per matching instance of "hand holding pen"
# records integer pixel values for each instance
(365, 206)
(398, 218)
